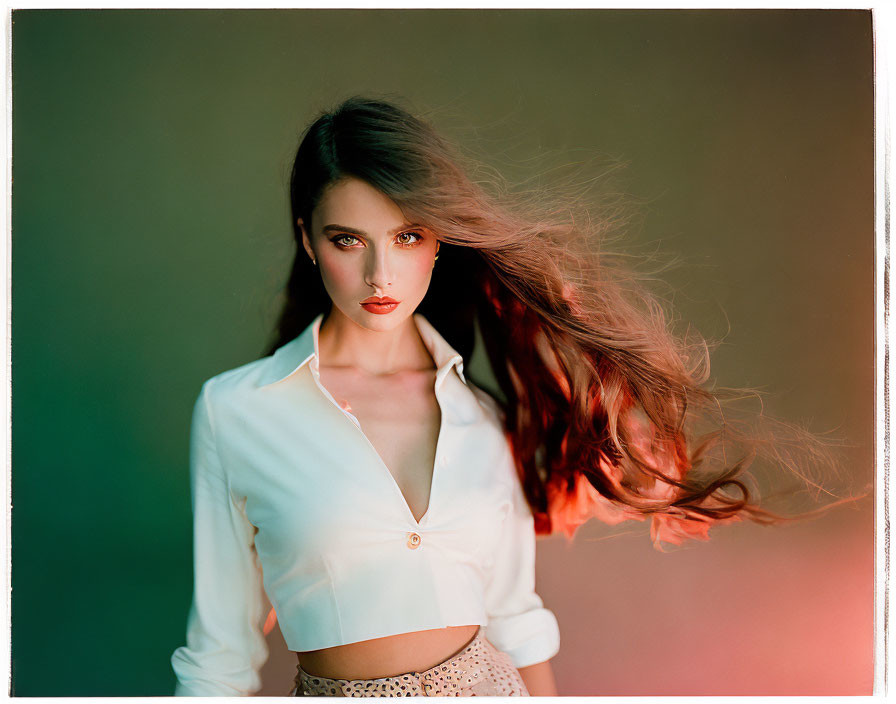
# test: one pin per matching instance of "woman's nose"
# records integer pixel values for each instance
(379, 268)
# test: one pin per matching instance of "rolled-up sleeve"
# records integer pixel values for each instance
(225, 647)
(518, 622)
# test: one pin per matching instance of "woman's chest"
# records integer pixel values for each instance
(400, 417)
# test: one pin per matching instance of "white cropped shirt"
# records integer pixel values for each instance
(291, 499)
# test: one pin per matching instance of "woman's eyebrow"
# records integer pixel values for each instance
(406, 226)
(343, 228)
(355, 231)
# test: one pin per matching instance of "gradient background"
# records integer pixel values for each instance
(151, 236)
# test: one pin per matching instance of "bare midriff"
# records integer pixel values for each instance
(389, 656)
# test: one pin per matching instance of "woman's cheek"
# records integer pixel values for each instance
(343, 279)
(419, 273)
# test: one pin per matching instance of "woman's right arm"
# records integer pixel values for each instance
(225, 647)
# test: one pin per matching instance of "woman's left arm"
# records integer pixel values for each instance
(539, 679)
(518, 622)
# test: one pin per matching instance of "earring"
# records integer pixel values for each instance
(314, 262)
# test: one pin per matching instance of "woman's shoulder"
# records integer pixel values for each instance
(234, 382)
(243, 402)
(487, 402)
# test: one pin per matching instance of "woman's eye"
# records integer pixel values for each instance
(345, 240)
(407, 238)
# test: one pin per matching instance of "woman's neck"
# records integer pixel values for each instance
(344, 343)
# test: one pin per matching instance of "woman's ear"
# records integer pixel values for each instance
(306, 241)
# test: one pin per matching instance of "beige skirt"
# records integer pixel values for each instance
(480, 669)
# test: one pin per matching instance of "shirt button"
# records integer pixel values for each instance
(413, 540)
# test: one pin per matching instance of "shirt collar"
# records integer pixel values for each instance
(304, 349)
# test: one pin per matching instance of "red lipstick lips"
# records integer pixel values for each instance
(380, 305)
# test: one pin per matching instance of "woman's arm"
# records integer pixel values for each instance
(539, 679)
(518, 622)
(225, 646)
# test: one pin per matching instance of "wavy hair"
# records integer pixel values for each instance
(606, 409)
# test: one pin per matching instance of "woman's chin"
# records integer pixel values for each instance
(383, 322)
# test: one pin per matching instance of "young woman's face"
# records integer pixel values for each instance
(366, 250)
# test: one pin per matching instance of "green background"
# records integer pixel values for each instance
(150, 238)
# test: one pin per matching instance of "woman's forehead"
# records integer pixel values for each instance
(354, 203)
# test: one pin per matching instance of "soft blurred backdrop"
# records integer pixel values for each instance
(151, 235)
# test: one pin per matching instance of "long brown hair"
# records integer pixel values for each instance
(605, 407)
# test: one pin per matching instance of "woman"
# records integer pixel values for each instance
(388, 504)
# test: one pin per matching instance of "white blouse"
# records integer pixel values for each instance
(289, 496)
